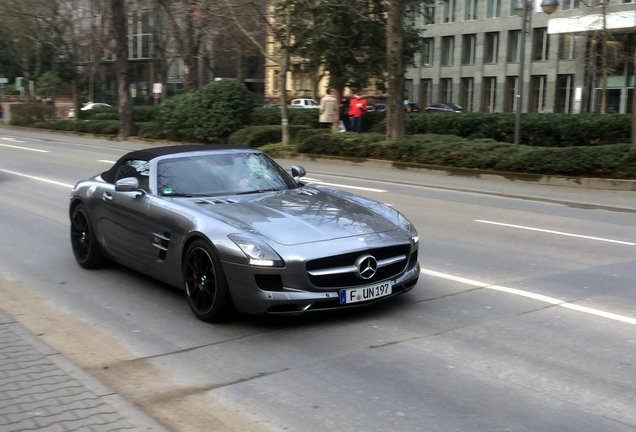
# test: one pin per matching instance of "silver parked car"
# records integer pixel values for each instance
(237, 232)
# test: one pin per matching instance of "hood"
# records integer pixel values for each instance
(304, 215)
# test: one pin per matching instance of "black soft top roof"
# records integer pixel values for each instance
(153, 152)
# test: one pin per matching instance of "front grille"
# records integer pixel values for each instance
(397, 256)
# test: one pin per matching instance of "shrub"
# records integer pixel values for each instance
(210, 114)
(142, 114)
(626, 166)
(257, 136)
(150, 130)
(28, 114)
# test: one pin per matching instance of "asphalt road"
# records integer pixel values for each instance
(524, 318)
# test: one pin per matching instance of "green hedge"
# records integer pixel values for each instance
(608, 161)
(256, 136)
(545, 130)
(98, 127)
(27, 114)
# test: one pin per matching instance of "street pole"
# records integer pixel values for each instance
(548, 7)
(525, 28)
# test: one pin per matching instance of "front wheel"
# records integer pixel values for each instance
(205, 284)
(87, 251)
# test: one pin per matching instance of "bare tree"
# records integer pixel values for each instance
(191, 30)
(249, 16)
(395, 69)
(119, 20)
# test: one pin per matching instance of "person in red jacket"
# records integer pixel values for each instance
(357, 107)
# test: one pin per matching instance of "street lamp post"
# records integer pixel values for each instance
(524, 7)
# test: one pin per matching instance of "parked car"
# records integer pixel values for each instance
(88, 107)
(411, 107)
(95, 105)
(304, 103)
(237, 232)
(443, 107)
(380, 107)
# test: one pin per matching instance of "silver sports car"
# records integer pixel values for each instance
(237, 232)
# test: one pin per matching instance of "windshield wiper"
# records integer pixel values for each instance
(257, 191)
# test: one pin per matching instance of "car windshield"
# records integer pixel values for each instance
(231, 173)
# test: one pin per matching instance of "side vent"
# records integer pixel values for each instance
(161, 243)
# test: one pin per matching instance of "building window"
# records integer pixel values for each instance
(448, 50)
(565, 94)
(448, 11)
(514, 37)
(537, 93)
(540, 44)
(469, 41)
(491, 47)
(446, 90)
(567, 46)
(489, 93)
(470, 10)
(569, 4)
(467, 93)
(514, 4)
(426, 92)
(510, 96)
(276, 80)
(428, 14)
(427, 52)
(493, 8)
(140, 34)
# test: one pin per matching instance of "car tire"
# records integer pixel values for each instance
(86, 249)
(205, 284)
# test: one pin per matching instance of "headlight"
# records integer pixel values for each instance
(407, 226)
(257, 251)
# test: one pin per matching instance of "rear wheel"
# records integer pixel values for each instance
(205, 285)
(86, 249)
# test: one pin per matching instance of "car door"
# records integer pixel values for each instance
(123, 216)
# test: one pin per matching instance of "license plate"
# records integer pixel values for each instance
(360, 294)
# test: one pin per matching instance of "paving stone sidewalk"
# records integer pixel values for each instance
(42, 390)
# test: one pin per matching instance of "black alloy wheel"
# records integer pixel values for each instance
(86, 249)
(205, 285)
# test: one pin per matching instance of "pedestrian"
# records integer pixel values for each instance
(344, 115)
(328, 110)
(357, 107)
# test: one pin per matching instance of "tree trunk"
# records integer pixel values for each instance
(119, 21)
(634, 105)
(282, 80)
(395, 70)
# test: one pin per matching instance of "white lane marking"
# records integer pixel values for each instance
(22, 148)
(11, 139)
(312, 180)
(106, 161)
(42, 179)
(557, 232)
(534, 296)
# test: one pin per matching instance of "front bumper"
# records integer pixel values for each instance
(249, 298)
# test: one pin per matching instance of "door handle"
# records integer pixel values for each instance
(107, 196)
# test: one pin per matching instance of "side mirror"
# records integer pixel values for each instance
(297, 172)
(128, 184)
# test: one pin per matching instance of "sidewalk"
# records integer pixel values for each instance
(40, 389)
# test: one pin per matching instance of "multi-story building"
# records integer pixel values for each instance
(471, 55)
(154, 51)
